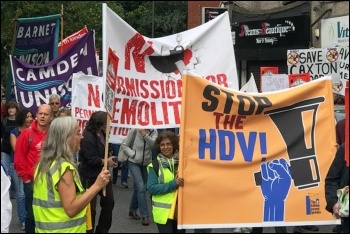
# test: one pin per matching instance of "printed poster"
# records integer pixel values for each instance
(255, 159)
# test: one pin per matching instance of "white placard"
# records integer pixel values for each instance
(274, 82)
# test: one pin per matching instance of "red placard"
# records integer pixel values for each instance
(298, 79)
(268, 70)
(71, 39)
(111, 82)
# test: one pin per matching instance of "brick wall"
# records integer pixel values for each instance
(195, 11)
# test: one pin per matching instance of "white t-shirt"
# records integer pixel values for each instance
(6, 205)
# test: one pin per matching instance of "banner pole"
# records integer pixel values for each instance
(8, 74)
(106, 148)
(61, 28)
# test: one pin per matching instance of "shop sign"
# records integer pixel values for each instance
(283, 32)
(335, 32)
(209, 13)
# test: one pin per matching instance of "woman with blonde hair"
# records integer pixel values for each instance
(60, 200)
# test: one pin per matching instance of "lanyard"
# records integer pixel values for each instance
(171, 165)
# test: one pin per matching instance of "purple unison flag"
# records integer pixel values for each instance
(36, 42)
(34, 84)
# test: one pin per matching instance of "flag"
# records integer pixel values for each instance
(71, 39)
(34, 84)
(250, 86)
(35, 43)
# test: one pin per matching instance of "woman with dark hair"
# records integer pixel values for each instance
(163, 182)
(7, 124)
(91, 157)
(24, 118)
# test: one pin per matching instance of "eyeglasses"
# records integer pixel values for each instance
(54, 103)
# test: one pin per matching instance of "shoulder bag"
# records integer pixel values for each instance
(122, 156)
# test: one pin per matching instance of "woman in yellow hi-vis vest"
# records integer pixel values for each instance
(59, 199)
(162, 182)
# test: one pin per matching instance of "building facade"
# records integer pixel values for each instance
(263, 31)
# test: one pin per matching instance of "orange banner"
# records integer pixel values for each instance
(252, 160)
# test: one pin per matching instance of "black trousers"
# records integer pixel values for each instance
(345, 225)
(169, 227)
(277, 229)
(106, 204)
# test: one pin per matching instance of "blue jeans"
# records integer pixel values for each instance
(18, 186)
(123, 167)
(124, 171)
(30, 223)
(138, 200)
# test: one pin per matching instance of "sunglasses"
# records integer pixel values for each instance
(54, 103)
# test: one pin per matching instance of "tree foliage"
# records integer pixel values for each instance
(169, 18)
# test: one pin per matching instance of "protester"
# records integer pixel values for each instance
(24, 118)
(91, 157)
(340, 131)
(340, 137)
(163, 182)
(64, 111)
(140, 155)
(27, 154)
(337, 178)
(7, 124)
(57, 184)
(6, 205)
(55, 103)
(122, 167)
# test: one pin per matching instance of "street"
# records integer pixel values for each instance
(123, 224)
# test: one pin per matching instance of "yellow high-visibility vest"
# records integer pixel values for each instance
(48, 210)
(161, 203)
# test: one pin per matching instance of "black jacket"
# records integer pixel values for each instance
(337, 177)
(91, 153)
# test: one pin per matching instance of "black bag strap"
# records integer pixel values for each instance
(4, 121)
(155, 164)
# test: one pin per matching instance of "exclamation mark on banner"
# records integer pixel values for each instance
(263, 150)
